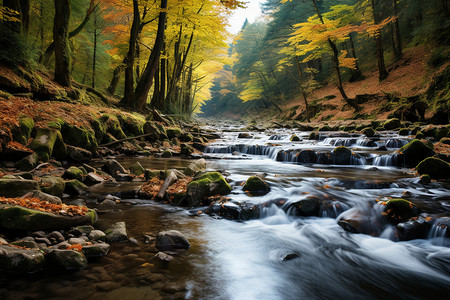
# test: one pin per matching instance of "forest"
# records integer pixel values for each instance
(202, 149)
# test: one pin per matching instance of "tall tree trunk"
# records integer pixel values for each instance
(300, 85)
(156, 87)
(41, 24)
(146, 81)
(396, 32)
(163, 84)
(382, 73)
(94, 55)
(188, 91)
(129, 60)
(356, 73)
(25, 10)
(61, 40)
(115, 79)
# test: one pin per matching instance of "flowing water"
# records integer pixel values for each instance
(280, 255)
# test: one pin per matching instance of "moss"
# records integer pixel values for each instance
(23, 132)
(53, 185)
(436, 168)
(403, 132)
(113, 126)
(256, 186)
(99, 129)
(16, 187)
(173, 132)
(445, 140)
(425, 179)
(149, 174)
(131, 125)
(399, 210)
(368, 131)
(414, 152)
(209, 184)
(74, 187)
(392, 124)
(341, 155)
(186, 149)
(187, 137)
(137, 169)
(79, 137)
(73, 173)
(166, 154)
(294, 138)
(325, 128)
(419, 135)
(44, 142)
(313, 135)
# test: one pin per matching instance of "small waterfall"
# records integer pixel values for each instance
(367, 143)
(277, 137)
(348, 142)
(221, 149)
(439, 233)
(357, 160)
(396, 143)
(385, 160)
(332, 209)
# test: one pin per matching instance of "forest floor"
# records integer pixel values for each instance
(407, 77)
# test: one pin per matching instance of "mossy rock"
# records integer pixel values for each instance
(403, 132)
(28, 163)
(195, 167)
(99, 129)
(209, 184)
(130, 125)
(441, 133)
(13, 187)
(137, 169)
(425, 179)
(414, 152)
(21, 218)
(113, 126)
(368, 131)
(22, 133)
(22, 261)
(73, 173)
(256, 186)
(67, 259)
(314, 135)
(79, 137)
(392, 124)
(445, 140)
(419, 135)
(325, 128)
(341, 155)
(53, 185)
(166, 154)
(149, 174)
(400, 210)
(436, 168)
(155, 131)
(186, 137)
(187, 149)
(294, 138)
(173, 132)
(47, 141)
(75, 187)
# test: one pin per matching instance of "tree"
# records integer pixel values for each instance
(396, 31)
(61, 41)
(382, 72)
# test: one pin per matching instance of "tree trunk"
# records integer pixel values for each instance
(356, 73)
(129, 60)
(155, 96)
(300, 85)
(41, 24)
(61, 40)
(163, 84)
(94, 55)
(25, 10)
(115, 79)
(382, 73)
(146, 81)
(188, 91)
(396, 32)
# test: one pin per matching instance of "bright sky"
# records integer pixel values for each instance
(252, 12)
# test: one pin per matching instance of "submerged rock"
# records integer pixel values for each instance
(96, 250)
(400, 210)
(67, 259)
(256, 186)
(117, 232)
(16, 260)
(171, 240)
(195, 167)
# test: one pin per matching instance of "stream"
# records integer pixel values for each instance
(280, 255)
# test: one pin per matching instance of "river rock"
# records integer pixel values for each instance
(93, 178)
(20, 218)
(161, 256)
(3, 241)
(413, 229)
(154, 131)
(75, 187)
(79, 137)
(307, 156)
(113, 167)
(341, 155)
(26, 244)
(56, 236)
(414, 152)
(16, 260)
(358, 221)
(117, 232)
(187, 137)
(43, 197)
(368, 132)
(400, 210)
(77, 241)
(392, 124)
(211, 183)
(73, 173)
(308, 207)
(436, 168)
(82, 229)
(97, 235)
(67, 259)
(244, 135)
(294, 138)
(28, 163)
(78, 155)
(195, 167)
(137, 169)
(256, 186)
(171, 240)
(186, 149)
(53, 185)
(96, 250)
(173, 132)
(47, 141)
(13, 187)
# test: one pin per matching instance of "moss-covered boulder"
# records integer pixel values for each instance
(341, 155)
(314, 135)
(307, 207)
(23, 261)
(186, 137)
(435, 167)
(75, 187)
(67, 259)
(294, 138)
(195, 167)
(155, 131)
(113, 126)
(368, 131)
(79, 137)
(22, 132)
(414, 152)
(419, 135)
(73, 173)
(209, 184)
(12, 187)
(21, 218)
(392, 124)
(187, 149)
(173, 132)
(400, 210)
(131, 126)
(78, 155)
(166, 154)
(52, 185)
(325, 128)
(117, 232)
(403, 132)
(445, 140)
(28, 163)
(48, 142)
(425, 179)
(137, 169)
(256, 186)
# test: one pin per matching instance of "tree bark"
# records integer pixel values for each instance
(94, 55)
(382, 73)
(25, 10)
(146, 81)
(396, 32)
(61, 40)
(129, 60)
(356, 73)
(300, 85)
